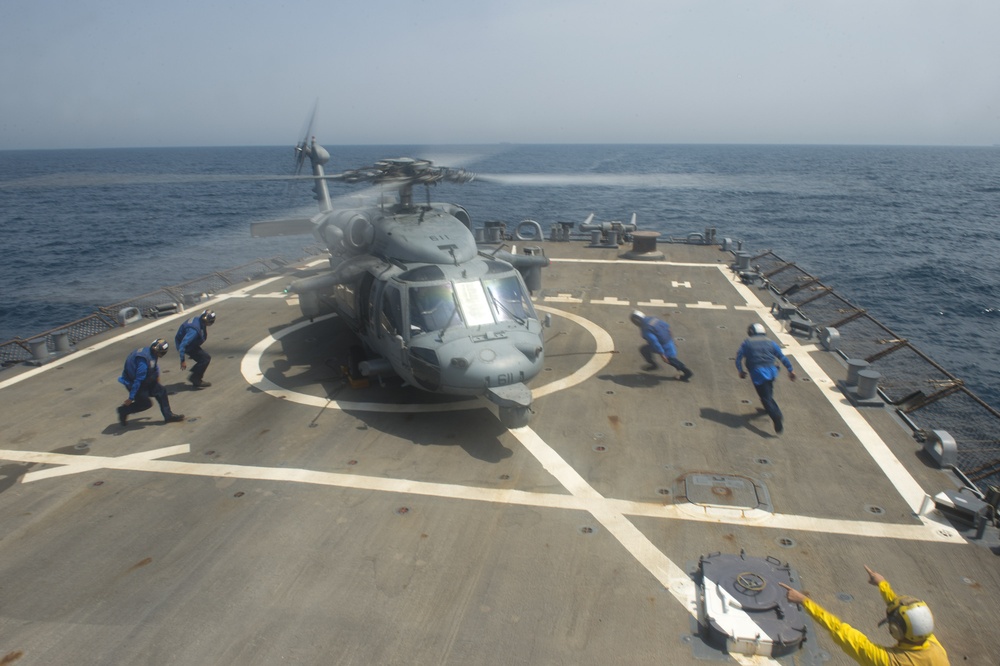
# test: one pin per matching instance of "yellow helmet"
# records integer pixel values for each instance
(909, 620)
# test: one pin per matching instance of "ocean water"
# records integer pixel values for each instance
(912, 234)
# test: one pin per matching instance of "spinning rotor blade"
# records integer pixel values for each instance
(664, 180)
(302, 147)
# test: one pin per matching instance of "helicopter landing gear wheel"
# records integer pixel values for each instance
(354, 358)
(515, 417)
(514, 403)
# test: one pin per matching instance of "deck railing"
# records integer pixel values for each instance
(926, 395)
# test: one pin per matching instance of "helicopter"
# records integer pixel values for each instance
(411, 283)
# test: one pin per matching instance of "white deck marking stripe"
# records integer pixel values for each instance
(686, 264)
(131, 332)
(672, 577)
(602, 354)
(894, 470)
(250, 368)
(588, 500)
(75, 464)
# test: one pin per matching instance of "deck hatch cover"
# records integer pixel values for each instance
(744, 610)
(726, 490)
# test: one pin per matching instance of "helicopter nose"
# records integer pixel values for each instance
(499, 363)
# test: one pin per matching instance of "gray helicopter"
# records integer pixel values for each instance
(411, 282)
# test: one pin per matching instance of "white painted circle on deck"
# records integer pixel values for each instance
(250, 368)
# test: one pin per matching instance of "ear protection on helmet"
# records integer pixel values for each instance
(159, 347)
(909, 620)
(756, 329)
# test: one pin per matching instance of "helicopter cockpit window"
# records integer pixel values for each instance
(422, 274)
(390, 318)
(508, 299)
(433, 308)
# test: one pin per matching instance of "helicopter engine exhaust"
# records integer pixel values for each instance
(528, 265)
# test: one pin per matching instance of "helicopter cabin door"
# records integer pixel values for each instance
(387, 323)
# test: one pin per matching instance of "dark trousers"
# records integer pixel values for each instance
(201, 360)
(766, 393)
(142, 400)
(651, 356)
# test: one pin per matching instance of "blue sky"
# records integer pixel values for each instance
(109, 73)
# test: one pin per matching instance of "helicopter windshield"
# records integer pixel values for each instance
(432, 308)
(472, 303)
(509, 300)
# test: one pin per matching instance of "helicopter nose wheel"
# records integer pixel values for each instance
(515, 417)
(514, 403)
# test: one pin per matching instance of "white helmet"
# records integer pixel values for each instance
(909, 620)
(756, 329)
(637, 316)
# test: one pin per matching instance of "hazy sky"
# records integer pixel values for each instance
(103, 73)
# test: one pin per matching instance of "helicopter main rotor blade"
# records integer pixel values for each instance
(302, 147)
(660, 180)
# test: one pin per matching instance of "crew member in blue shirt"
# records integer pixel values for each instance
(656, 333)
(762, 356)
(191, 335)
(141, 376)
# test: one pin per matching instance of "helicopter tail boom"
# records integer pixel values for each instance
(295, 226)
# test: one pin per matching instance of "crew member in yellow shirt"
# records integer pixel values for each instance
(910, 623)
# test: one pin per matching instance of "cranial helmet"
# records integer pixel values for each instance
(756, 329)
(208, 317)
(637, 316)
(159, 347)
(909, 620)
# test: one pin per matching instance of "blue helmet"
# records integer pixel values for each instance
(159, 347)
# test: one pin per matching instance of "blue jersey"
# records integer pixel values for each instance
(761, 355)
(191, 334)
(657, 333)
(141, 367)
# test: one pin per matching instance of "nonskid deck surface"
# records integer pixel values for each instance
(294, 517)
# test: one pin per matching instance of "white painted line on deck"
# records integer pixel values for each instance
(252, 373)
(70, 464)
(132, 332)
(602, 355)
(685, 264)
(672, 577)
(656, 303)
(585, 500)
(894, 470)
(562, 298)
